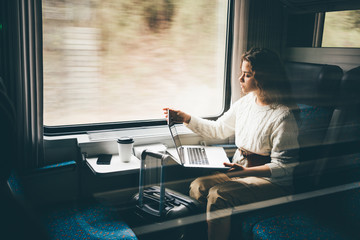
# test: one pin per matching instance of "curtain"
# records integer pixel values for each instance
(29, 96)
(239, 45)
(21, 70)
(266, 25)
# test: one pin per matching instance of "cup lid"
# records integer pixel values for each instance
(125, 140)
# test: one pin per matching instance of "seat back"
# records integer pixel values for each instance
(347, 116)
(314, 88)
(342, 165)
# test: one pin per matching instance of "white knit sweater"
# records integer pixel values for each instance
(259, 129)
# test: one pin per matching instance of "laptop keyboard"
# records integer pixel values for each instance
(197, 156)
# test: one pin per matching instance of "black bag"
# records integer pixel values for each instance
(164, 213)
(175, 205)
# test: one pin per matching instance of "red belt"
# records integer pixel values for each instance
(254, 159)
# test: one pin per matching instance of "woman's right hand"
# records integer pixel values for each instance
(177, 116)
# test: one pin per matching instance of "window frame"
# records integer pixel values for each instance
(84, 128)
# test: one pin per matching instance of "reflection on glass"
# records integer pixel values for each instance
(111, 60)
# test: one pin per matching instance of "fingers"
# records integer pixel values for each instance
(166, 109)
(228, 164)
(176, 116)
(166, 112)
(172, 116)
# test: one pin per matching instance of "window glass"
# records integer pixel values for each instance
(342, 29)
(124, 60)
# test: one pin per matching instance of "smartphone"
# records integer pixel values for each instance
(104, 159)
(172, 117)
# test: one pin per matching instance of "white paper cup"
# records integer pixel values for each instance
(125, 146)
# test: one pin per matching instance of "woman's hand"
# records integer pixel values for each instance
(176, 116)
(236, 170)
(234, 167)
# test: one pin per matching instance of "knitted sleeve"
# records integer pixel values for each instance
(284, 152)
(222, 128)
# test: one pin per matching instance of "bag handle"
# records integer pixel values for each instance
(163, 158)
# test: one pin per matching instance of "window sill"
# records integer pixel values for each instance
(104, 142)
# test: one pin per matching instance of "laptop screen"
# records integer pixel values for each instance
(176, 139)
(175, 136)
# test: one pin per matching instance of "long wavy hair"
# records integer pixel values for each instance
(270, 77)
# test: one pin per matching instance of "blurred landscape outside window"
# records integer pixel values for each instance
(124, 60)
(342, 29)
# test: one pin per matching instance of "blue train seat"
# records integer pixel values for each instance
(17, 220)
(334, 216)
(344, 135)
(20, 219)
(314, 88)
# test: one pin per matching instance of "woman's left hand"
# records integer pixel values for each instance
(234, 167)
(236, 170)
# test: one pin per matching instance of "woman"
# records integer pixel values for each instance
(265, 132)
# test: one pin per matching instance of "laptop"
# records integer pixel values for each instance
(196, 156)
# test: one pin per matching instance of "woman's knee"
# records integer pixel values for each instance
(218, 198)
(227, 195)
(199, 188)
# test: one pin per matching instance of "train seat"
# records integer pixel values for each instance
(17, 220)
(87, 221)
(314, 88)
(344, 134)
(20, 219)
(334, 216)
(74, 220)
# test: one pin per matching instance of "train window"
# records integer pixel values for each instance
(109, 60)
(342, 29)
